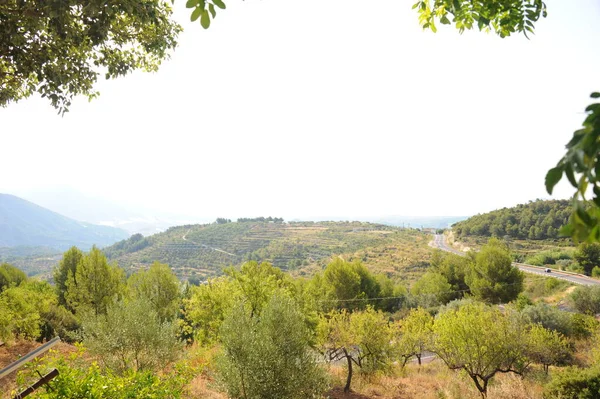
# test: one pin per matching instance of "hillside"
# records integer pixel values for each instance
(23, 223)
(201, 251)
(536, 220)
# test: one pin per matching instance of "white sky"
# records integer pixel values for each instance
(298, 109)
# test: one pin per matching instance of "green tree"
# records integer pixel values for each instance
(207, 307)
(343, 284)
(160, 286)
(66, 268)
(257, 283)
(81, 39)
(480, 340)
(269, 356)
(493, 279)
(415, 334)
(131, 335)
(10, 276)
(361, 338)
(546, 347)
(29, 311)
(432, 290)
(588, 256)
(95, 284)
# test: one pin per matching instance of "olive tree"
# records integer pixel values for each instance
(268, 355)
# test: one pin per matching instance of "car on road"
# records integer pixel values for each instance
(548, 270)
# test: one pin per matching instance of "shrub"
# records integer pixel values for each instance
(131, 336)
(268, 356)
(77, 379)
(586, 299)
(574, 383)
(549, 317)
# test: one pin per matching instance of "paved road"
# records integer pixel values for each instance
(440, 242)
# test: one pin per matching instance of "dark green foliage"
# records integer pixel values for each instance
(66, 269)
(223, 221)
(268, 357)
(343, 285)
(574, 383)
(81, 39)
(536, 220)
(493, 278)
(581, 166)
(10, 276)
(135, 243)
(588, 256)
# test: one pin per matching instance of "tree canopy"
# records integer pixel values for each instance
(59, 48)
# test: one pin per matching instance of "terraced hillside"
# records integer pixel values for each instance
(202, 251)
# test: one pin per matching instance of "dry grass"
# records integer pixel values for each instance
(431, 381)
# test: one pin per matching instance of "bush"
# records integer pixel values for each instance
(131, 336)
(268, 356)
(549, 317)
(574, 383)
(77, 379)
(596, 272)
(586, 299)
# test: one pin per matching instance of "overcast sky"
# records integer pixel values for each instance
(337, 107)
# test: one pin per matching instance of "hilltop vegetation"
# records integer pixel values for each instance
(536, 220)
(201, 251)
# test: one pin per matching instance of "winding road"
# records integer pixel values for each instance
(439, 242)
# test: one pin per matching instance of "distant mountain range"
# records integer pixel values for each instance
(23, 223)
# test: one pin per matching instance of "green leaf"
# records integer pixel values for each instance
(205, 19)
(211, 8)
(592, 107)
(595, 95)
(196, 13)
(570, 175)
(584, 216)
(444, 20)
(596, 198)
(219, 3)
(553, 177)
(191, 3)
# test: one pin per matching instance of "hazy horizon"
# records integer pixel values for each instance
(341, 116)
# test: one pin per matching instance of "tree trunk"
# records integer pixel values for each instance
(349, 378)
(419, 358)
(481, 386)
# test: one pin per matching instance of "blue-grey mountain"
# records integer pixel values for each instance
(23, 223)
